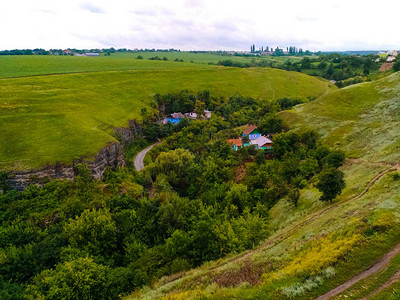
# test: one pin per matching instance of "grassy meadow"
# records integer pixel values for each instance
(58, 118)
(317, 246)
(362, 119)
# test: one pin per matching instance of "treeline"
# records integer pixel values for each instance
(343, 69)
(90, 239)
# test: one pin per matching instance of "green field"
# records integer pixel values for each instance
(58, 118)
(17, 66)
(317, 246)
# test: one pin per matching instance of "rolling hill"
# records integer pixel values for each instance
(317, 246)
(58, 118)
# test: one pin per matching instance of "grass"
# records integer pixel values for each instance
(317, 255)
(29, 65)
(334, 240)
(370, 284)
(363, 119)
(59, 118)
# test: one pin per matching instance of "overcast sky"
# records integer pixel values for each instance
(200, 24)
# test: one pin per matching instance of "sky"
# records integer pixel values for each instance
(200, 24)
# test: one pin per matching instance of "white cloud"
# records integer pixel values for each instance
(199, 24)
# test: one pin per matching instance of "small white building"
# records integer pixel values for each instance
(191, 115)
(391, 58)
(92, 54)
(207, 114)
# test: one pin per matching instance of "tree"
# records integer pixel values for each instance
(334, 159)
(94, 232)
(331, 184)
(271, 123)
(200, 106)
(293, 196)
(396, 65)
(78, 279)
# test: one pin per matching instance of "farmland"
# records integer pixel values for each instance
(58, 118)
(17, 66)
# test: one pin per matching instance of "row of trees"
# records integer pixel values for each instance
(291, 50)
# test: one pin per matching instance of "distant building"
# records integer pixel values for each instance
(67, 52)
(391, 58)
(92, 54)
(207, 114)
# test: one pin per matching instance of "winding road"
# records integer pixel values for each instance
(138, 161)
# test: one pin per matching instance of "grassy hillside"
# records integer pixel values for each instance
(363, 119)
(317, 246)
(57, 118)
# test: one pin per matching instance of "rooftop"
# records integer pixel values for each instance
(249, 129)
(237, 142)
(261, 141)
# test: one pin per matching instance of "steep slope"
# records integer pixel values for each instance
(318, 246)
(363, 120)
(58, 118)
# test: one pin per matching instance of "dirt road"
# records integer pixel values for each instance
(376, 267)
(138, 161)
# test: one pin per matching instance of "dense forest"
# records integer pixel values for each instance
(197, 200)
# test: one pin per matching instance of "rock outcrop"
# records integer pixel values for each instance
(110, 156)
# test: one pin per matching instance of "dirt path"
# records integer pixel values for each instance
(289, 232)
(395, 277)
(376, 267)
(138, 161)
(279, 238)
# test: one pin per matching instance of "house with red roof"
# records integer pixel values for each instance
(255, 138)
(252, 132)
(236, 144)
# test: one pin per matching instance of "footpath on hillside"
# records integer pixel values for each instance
(378, 266)
(139, 159)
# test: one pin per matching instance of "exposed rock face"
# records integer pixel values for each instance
(110, 156)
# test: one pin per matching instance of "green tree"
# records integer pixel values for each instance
(94, 232)
(199, 107)
(78, 279)
(396, 65)
(331, 184)
(294, 196)
(271, 123)
(177, 161)
(335, 158)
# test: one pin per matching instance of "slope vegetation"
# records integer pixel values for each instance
(58, 118)
(317, 246)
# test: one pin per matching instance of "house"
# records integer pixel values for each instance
(236, 144)
(174, 118)
(191, 115)
(262, 142)
(207, 114)
(390, 58)
(67, 52)
(252, 132)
